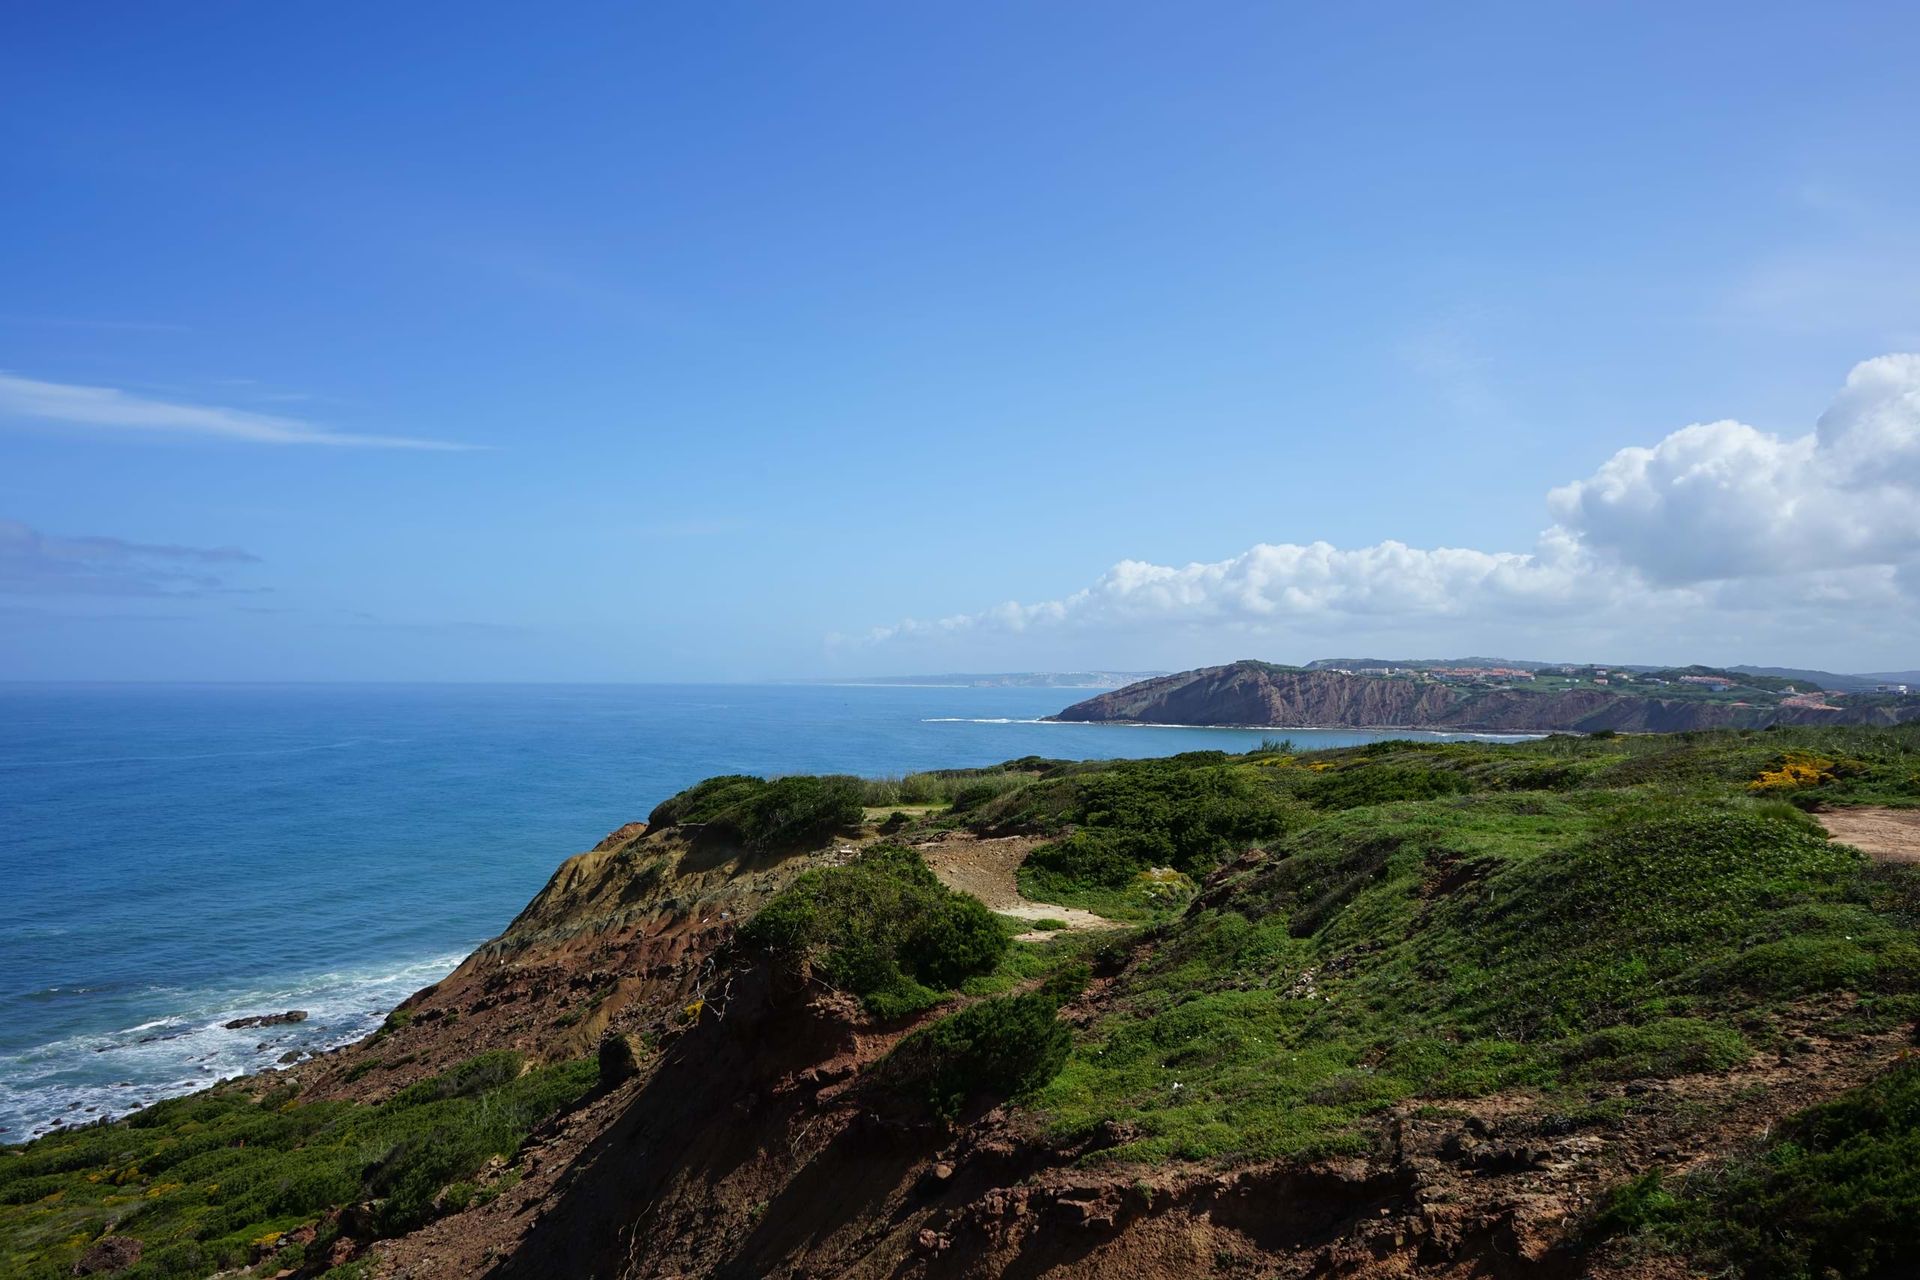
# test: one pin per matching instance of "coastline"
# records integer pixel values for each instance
(89, 1076)
(1502, 735)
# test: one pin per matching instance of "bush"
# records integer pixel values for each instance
(618, 1059)
(1562, 943)
(999, 1048)
(882, 928)
(1189, 812)
(767, 816)
(1096, 857)
(705, 801)
(480, 1074)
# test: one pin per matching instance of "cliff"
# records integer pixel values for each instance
(1261, 694)
(1440, 1009)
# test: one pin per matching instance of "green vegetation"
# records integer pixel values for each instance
(1188, 813)
(963, 789)
(1448, 919)
(1004, 1047)
(882, 928)
(1835, 1192)
(767, 816)
(1402, 919)
(213, 1180)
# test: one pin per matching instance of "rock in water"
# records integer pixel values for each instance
(268, 1020)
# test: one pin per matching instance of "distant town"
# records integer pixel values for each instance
(1739, 687)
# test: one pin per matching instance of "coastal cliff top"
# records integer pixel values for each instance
(1588, 1004)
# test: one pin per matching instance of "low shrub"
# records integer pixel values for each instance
(882, 928)
(1188, 813)
(1663, 1048)
(1351, 787)
(1096, 858)
(764, 816)
(1004, 1047)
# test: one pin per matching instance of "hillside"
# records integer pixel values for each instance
(1614, 1007)
(1482, 699)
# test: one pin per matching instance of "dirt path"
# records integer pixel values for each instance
(1885, 835)
(985, 867)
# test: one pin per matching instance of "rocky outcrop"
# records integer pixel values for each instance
(268, 1020)
(108, 1256)
(1258, 693)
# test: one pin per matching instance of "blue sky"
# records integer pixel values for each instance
(791, 340)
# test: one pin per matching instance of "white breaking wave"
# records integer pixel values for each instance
(87, 1077)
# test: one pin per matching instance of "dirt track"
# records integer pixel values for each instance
(1885, 835)
(985, 868)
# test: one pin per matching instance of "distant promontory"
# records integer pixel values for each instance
(1489, 698)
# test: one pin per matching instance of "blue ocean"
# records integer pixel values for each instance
(174, 857)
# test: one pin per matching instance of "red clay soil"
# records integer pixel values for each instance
(620, 938)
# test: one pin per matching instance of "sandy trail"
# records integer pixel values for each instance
(985, 867)
(1885, 835)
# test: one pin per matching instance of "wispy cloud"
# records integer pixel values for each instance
(31, 400)
(40, 564)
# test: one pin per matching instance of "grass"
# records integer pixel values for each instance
(1475, 917)
(213, 1180)
(1833, 1193)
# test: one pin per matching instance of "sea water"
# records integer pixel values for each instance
(174, 857)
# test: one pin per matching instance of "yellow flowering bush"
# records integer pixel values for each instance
(1798, 769)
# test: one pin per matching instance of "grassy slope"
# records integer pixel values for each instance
(214, 1180)
(1555, 911)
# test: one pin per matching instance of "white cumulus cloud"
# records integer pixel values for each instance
(1688, 526)
(1723, 500)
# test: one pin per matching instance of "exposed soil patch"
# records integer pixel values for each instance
(985, 868)
(1885, 835)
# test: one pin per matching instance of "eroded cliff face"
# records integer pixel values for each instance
(621, 937)
(1254, 693)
